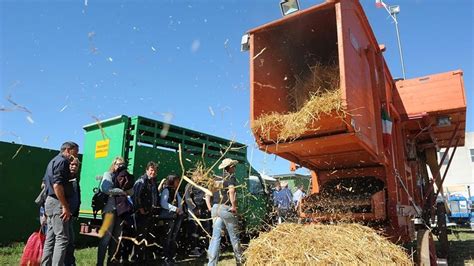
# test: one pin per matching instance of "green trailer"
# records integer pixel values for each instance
(140, 140)
(22, 168)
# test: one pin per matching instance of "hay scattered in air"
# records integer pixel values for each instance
(316, 95)
(202, 176)
(317, 244)
(205, 177)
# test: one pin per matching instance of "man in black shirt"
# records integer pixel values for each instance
(224, 209)
(146, 200)
(59, 190)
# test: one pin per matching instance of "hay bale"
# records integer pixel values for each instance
(342, 244)
(317, 94)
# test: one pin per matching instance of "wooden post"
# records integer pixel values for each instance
(443, 233)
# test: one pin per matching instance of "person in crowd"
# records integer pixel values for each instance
(298, 195)
(40, 200)
(146, 200)
(195, 200)
(283, 200)
(124, 207)
(286, 191)
(274, 215)
(224, 210)
(172, 213)
(111, 221)
(75, 203)
(276, 189)
(57, 207)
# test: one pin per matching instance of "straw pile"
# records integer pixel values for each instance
(343, 244)
(317, 94)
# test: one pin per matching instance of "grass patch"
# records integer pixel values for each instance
(86, 256)
(11, 255)
(461, 247)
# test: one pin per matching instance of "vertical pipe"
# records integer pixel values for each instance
(399, 46)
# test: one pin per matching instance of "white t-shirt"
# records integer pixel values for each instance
(298, 195)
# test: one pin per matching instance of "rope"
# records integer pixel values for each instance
(410, 198)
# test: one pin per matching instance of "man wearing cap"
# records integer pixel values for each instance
(223, 212)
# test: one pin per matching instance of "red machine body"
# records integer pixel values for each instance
(357, 172)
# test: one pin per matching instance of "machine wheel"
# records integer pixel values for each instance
(426, 251)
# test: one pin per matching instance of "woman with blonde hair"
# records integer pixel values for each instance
(111, 225)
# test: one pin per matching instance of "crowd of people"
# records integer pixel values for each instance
(286, 203)
(141, 218)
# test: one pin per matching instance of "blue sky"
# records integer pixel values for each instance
(67, 61)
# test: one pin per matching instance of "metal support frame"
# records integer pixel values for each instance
(437, 175)
(447, 166)
(432, 136)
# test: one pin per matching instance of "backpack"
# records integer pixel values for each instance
(98, 201)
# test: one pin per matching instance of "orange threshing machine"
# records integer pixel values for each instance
(358, 173)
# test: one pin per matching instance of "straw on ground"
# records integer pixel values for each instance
(341, 244)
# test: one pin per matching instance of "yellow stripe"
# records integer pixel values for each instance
(89, 212)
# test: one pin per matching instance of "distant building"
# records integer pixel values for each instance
(461, 171)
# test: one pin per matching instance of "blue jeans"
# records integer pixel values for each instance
(223, 217)
(110, 240)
